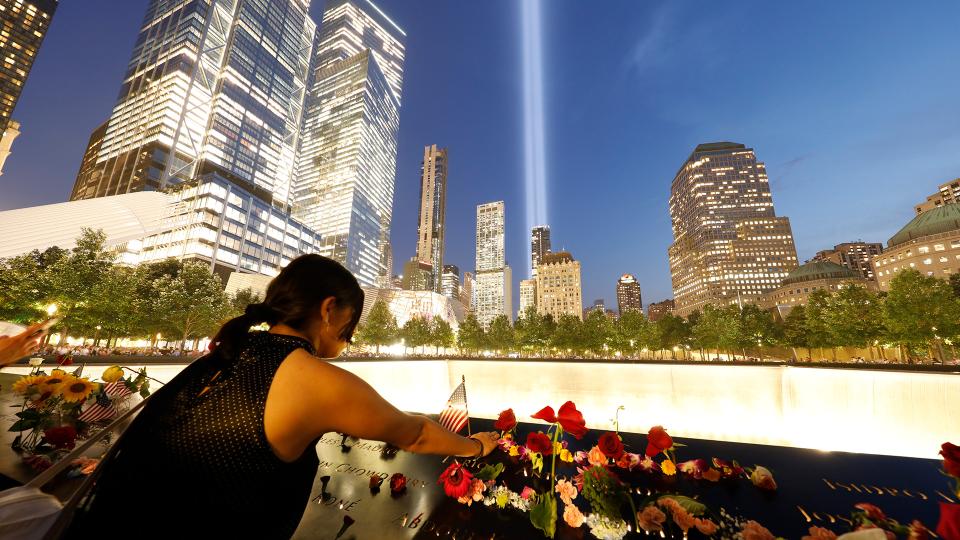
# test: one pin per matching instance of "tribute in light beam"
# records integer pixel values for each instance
(534, 156)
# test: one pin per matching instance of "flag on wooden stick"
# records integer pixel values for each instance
(455, 415)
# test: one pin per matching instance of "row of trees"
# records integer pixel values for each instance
(920, 316)
(96, 298)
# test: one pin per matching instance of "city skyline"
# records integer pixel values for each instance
(801, 160)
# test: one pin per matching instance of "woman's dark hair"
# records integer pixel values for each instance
(293, 298)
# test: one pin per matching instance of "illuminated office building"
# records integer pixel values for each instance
(416, 276)
(450, 282)
(929, 244)
(25, 24)
(558, 286)
(466, 290)
(658, 310)
(346, 166)
(539, 246)
(433, 208)
(222, 84)
(528, 296)
(947, 193)
(492, 288)
(628, 294)
(729, 245)
(857, 256)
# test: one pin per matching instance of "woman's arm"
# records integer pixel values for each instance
(345, 403)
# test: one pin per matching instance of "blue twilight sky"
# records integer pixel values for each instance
(854, 107)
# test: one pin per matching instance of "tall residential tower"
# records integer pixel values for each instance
(539, 246)
(628, 294)
(729, 245)
(433, 208)
(346, 166)
(492, 288)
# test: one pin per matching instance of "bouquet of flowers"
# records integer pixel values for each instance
(61, 407)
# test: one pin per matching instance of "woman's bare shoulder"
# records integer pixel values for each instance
(311, 371)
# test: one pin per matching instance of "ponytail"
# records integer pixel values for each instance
(233, 334)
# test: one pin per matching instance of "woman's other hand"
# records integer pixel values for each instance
(13, 348)
(489, 439)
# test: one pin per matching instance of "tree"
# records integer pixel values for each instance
(718, 328)
(192, 304)
(955, 284)
(855, 318)
(470, 335)
(74, 277)
(757, 328)
(533, 331)
(381, 326)
(920, 310)
(671, 332)
(628, 331)
(817, 325)
(500, 336)
(597, 331)
(242, 299)
(416, 332)
(441, 334)
(567, 335)
(794, 330)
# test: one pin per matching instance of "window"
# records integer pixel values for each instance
(938, 247)
(923, 249)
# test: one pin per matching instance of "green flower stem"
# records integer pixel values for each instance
(553, 461)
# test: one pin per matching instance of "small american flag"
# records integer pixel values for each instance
(454, 415)
(101, 409)
(116, 390)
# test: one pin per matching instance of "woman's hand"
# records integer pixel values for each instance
(489, 441)
(13, 348)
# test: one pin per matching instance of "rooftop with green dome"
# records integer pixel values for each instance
(942, 219)
(816, 270)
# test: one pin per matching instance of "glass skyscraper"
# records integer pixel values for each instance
(729, 245)
(212, 87)
(346, 167)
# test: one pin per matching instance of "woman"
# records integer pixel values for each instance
(228, 446)
(13, 348)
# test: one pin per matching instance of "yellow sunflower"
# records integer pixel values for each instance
(23, 384)
(52, 383)
(77, 390)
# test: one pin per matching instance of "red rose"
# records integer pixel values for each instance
(507, 421)
(569, 418)
(658, 441)
(611, 445)
(873, 512)
(61, 437)
(949, 526)
(456, 480)
(951, 459)
(398, 483)
(538, 442)
(376, 481)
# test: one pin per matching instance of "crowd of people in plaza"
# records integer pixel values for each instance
(90, 350)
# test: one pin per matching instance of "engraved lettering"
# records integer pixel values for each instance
(831, 486)
(343, 467)
(892, 491)
(947, 498)
(806, 516)
(416, 521)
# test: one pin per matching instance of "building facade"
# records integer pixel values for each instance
(539, 246)
(450, 282)
(929, 244)
(211, 88)
(559, 289)
(528, 296)
(491, 292)
(628, 294)
(658, 310)
(807, 278)
(25, 24)
(6, 142)
(433, 208)
(947, 193)
(417, 276)
(466, 291)
(729, 245)
(857, 256)
(346, 166)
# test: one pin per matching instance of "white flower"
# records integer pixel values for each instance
(604, 529)
(36, 362)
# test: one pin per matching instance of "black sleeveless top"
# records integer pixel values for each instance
(196, 461)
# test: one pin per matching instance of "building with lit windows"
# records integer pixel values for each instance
(807, 278)
(528, 296)
(628, 294)
(857, 256)
(658, 310)
(466, 291)
(433, 209)
(930, 244)
(417, 276)
(450, 282)
(211, 89)
(492, 287)
(539, 246)
(346, 165)
(559, 290)
(729, 245)
(25, 24)
(947, 193)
